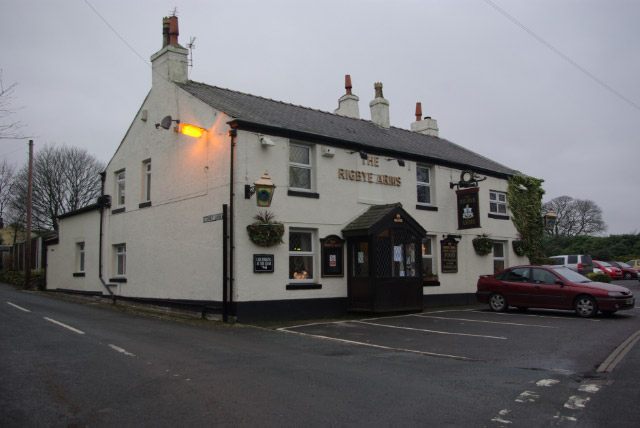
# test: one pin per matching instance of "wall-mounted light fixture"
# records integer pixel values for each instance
(165, 123)
(550, 220)
(363, 155)
(264, 189)
(400, 161)
(190, 130)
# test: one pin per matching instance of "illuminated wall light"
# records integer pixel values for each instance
(190, 130)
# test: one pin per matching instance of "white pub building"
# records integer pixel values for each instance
(370, 217)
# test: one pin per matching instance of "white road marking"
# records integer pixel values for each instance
(589, 387)
(575, 402)
(68, 327)
(487, 322)
(500, 417)
(547, 382)
(121, 350)
(565, 418)
(527, 397)
(430, 331)
(619, 353)
(18, 307)
(508, 314)
(371, 345)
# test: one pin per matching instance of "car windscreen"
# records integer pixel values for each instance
(605, 264)
(623, 265)
(570, 275)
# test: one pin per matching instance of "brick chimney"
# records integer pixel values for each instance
(348, 103)
(170, 62)
(380, 108)
(425, 126)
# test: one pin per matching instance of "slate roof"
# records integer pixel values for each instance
(370, 217)
(341, 131)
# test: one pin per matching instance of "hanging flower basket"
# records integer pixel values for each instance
(519, 247)
(483, 245)
(265, 232)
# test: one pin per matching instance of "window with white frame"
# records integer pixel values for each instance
(497, 202)
(499, 262)
(301, 256)
(429, 265)
(300, 167)
(80, 257)
(120, 260)
(146, 170)
(423, 180)
(120, 182)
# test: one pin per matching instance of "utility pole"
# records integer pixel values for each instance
(27, 244)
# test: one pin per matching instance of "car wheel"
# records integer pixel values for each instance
(498, 303)
(627, 275)
(586, 307)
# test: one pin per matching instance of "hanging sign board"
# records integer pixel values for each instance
(468, 208)
(449, 255)
(332, 256)
(263, 263)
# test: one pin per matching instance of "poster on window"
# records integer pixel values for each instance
(332, 250)
(468, 208)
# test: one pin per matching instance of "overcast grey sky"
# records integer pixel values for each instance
(493, 88)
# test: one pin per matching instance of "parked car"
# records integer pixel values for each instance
(609, 269)
(581, 263)
(554, 287)
(634, 264)
(627, 271)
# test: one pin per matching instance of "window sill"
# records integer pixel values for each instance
(304, 286)
(78, 274)
(118, 279)
(144, 204)
(312, 195)
(117, 210)
(499, 216)
(426, 207)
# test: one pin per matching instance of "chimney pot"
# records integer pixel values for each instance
(378, 88)
(173, 30)
(165, 32)
(418, 111)
(347, 83)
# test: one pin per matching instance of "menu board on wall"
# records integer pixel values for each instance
(449, 255)
(332, 255)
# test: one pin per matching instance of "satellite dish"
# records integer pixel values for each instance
(166, 122)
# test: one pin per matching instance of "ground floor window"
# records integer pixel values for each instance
(301, 255)
(498, 256)
(429, 264)
(121, 260)
(80, 257)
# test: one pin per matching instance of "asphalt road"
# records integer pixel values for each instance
(70, 364)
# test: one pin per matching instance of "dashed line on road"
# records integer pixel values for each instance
(121, 350)
(18, 307)
(68, 327)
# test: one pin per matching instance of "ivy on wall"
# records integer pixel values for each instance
(524, 196)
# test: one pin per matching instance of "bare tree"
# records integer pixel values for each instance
(576, 216)
(7, 180)
(64, 179)
(8, 126)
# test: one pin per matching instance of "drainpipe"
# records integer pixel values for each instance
(102, 204)
(233, 133)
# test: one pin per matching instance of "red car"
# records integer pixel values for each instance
(609, 269)
(554, 287)
(628, 271)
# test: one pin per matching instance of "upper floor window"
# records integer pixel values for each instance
(120, 182)
(146, 168)
(423, 179)
(300, 167)
(497, 202)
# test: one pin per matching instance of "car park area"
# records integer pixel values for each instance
(535, 339)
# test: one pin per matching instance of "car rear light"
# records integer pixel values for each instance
(579, 266)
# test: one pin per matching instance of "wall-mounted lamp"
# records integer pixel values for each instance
(400, 161)
(550, 220)
(190, 130)
(363, 155)
(264, 189)
(165, 123)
